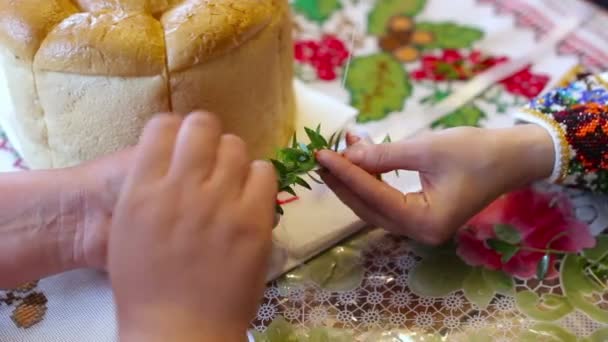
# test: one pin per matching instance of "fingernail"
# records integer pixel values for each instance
(319, 155)
(352, 138)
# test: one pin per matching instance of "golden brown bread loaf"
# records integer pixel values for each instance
(80, 78)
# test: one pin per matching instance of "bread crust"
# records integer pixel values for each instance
(231, 57)
(24, 24)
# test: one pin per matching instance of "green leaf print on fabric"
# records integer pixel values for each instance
(498, 281)
(438, 275)
(548, 307)
(582, 292)
(278, 331)
(317, 10)
(477, 290)
(385, 9)
(481, 285)
(282, 331)
(547, 332)
(339, 269)
(600, 335)
(469, 115)
(441, 272)
(450, 35)
(378, 86)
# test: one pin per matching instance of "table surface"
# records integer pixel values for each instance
(379, 287)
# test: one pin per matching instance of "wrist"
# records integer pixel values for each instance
(529, 151)
(38, 225)
(101, 181)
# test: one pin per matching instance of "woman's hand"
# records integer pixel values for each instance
(191, 234)
(461, 170)
(53, 221)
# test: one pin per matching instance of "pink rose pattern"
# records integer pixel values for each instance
(539, 218)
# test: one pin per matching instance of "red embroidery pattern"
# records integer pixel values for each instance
(326, 56)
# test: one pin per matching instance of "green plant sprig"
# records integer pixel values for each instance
(297, 160)
(291, 163)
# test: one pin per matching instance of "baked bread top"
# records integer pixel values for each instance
(128, 37)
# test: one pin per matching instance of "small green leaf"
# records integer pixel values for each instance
(387, 139)
(385, 9)
(317, 10)
(330, 142)
(314, 179)
(318, 129)
(542, 267)
(378, 85)
(294, 142)
(281, 169)
(294, 155)
(317, 141)
(505, 249)
(504, 258)
(279, 209)
(289, 190)
(448, 35)
(336, 144)
(507, 233)
(303, 183)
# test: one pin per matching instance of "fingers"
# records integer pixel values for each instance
(352, 139)
(155, 148)
(196, 146)
(361, 182)
(381, 158)
(406, 211)
(232, 167)
(354, 202)
(260, 191)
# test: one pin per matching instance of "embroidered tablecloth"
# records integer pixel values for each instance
(406, 56)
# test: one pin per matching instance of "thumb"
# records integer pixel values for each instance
(381, 158)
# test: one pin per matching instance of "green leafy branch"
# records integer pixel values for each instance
(293, 162)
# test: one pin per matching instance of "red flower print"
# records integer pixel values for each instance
(452, 65)
(525, 83)
(325, 55)
(541, 219)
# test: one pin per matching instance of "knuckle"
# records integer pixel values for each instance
(164, 121)
(234, 143)
(382, 155)
(202, 119)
